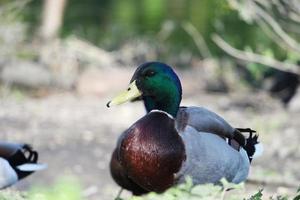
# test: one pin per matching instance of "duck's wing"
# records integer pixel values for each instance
(204, 120)
(210, 158)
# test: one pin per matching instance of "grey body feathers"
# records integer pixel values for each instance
(209, 156)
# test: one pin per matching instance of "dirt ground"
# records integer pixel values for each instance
(75, 135)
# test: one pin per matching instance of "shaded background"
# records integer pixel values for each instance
(62, 60)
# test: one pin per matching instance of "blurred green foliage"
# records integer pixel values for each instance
(65, 189)
(109, 23)
(226, 190)
(11, 195)
(191, 192)
(159, 23)
(69, 189)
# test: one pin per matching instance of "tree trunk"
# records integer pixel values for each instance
(53, 12)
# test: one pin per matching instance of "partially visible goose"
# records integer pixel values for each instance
(172, 142)
(16, 162)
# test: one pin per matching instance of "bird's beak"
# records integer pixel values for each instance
(131, 93)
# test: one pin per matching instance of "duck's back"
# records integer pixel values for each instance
(204, 120)
(209, 158)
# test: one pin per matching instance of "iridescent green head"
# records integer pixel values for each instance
(157, 84)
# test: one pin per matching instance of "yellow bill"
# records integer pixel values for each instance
(131, 93)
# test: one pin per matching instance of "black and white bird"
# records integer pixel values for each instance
(17, 161)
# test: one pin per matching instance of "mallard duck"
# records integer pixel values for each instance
(16, 162)
(171, 142)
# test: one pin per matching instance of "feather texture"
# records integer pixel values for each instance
(172, 142)
(210, 158)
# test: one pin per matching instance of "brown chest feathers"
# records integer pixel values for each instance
(150, 152)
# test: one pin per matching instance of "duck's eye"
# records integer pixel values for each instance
(149, 73)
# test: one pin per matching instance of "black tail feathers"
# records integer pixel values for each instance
(251, 141)
(25, 154)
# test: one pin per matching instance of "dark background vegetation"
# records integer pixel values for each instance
(111, 23)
